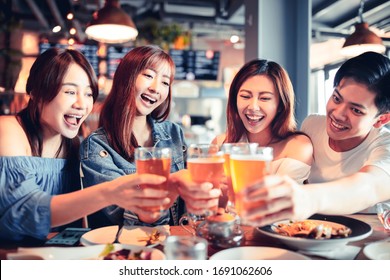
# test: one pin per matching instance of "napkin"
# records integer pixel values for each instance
(135, 234)
(347, 252)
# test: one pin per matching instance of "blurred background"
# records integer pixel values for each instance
(208, 39)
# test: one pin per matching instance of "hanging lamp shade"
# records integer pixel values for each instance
(111, 25)
(362, 40)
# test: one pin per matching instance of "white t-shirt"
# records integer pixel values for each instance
(329, 165)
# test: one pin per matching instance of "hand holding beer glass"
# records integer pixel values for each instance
(248, 165)
(154, 160)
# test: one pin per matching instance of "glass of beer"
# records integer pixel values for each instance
(205, 164)
(154, 160)
(248, 165)
(228, 194)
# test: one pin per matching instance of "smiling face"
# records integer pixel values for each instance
(257, 103)
(71, 106)
(152, 88)
(351, 114)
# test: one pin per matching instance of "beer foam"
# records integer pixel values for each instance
(252, 157)
(206, 160)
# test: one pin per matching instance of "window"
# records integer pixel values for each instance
(321, 89)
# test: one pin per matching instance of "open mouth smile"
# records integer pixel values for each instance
(253, 119)
(337, 126)
(148, 99)
(73, 120)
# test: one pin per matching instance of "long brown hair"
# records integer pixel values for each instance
(119, 109)
(284, 123)
(43, 85)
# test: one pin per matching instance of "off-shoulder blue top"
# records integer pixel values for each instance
(27, 185)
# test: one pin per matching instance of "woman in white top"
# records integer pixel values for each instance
(261, 110)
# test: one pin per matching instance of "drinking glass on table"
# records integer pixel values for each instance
(205, 164)
(248, 165)
(383, 212)
(154, 160)
(228, 193)
(185, 248)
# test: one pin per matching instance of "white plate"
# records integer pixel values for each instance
(378, 251)
(129, 235)
(360, 230)
(76, 253)
(257, 253)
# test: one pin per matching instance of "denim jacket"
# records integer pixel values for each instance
(101, 163)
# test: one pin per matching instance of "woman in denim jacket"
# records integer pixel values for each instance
(134, 115)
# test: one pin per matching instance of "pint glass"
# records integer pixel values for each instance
(248, 166)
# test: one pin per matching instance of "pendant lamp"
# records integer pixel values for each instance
(111, 25)
(363, 39)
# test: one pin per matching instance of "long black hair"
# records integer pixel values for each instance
(43, 84)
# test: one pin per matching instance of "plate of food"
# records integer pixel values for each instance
(257, 253)
(318, 233)
(131, 235)
(95, 252)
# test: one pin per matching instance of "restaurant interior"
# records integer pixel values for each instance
(209, 41)
(306, 37)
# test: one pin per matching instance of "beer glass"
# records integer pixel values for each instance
(248, 165)
(154, 160)
(228, 194)
(205, 164)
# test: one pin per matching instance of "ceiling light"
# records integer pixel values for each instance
(111, 25)
(363, 39)
(56, 29)
(234, 39)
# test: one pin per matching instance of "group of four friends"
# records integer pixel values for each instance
(48, 179)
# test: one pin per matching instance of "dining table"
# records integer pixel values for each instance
(252, 237)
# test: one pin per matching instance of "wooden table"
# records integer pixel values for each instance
(252, 237)
(379, 233)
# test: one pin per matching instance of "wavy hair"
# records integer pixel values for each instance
(284, 124)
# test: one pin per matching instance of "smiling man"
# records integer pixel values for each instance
(351, 168)
(352, 134)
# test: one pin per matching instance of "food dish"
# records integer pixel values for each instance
(257, 253)
(359, 230)
(314, 229)
(130, 235)
(378, 251)
(75, 253)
